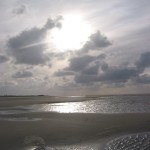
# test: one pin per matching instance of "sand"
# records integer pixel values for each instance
(67, 129)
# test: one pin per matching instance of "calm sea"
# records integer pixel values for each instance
(99, 104)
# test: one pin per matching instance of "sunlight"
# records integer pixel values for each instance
(72, 35)
(71, 107)
(62, 108)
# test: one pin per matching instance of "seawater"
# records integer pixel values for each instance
(100, 104)
(113, 104)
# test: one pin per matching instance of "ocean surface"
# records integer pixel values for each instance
(75, 123)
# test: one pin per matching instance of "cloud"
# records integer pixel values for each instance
(101, 56)
(95, 42)
(51, 23)
(20, 10)
(118, 74)
(27, 38)
(3, 58)
(91, 70)
(104, 66)
(24, 74)
(88, 69)
(61, 73)
(85, 79)
(144, 61)
(143, 79)
(84, 64)
(111, 75)
(32, 55)
(79, 63)
(28, 47)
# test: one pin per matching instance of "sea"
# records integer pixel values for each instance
(114, 122)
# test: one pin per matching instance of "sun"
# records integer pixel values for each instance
(73, 33)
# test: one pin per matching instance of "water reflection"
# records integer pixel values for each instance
(96, 106)
(65, 107)
(76, 107)
(104, 105)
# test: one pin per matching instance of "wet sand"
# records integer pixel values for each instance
(66, 129)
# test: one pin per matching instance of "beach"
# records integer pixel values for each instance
(88, 124)
(66, 129)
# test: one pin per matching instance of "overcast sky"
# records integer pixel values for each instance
(74, 47)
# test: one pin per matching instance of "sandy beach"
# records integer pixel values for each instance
(66, 129)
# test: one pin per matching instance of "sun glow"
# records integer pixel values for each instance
(72, 35)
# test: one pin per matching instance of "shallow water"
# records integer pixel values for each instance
(89, 123)
(103, 105)
(107, 104)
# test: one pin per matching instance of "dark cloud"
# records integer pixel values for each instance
(95, 42)
(111, 75)
(144, 61)
(84, 64)
(20, 10)
(118, 74)
(3, 58)
(26, 38)
(91, 70)
(104, 66)
(28, 47)
(32, 55)
(24, 74)
(85, 79)
(79, 63)
(143, 79)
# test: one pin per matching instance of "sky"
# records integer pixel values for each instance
(74, 47)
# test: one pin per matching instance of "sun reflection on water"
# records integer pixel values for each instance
(64, 107)
(116, 105)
